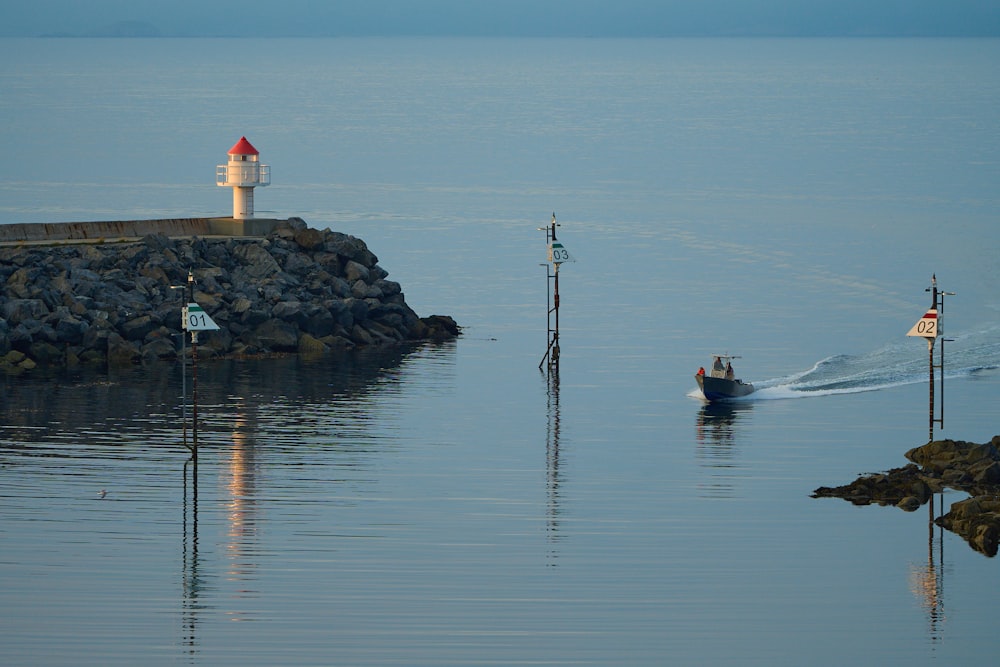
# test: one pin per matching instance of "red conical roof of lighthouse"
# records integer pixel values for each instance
(243, 147)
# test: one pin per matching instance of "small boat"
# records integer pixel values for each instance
(721, 383)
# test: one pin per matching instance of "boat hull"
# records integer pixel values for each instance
(721, 389)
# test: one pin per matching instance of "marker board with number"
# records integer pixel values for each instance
(196, 319)
(927, 326)
(558, 253)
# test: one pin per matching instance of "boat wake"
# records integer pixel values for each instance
(894, 365)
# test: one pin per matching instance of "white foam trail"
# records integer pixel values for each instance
(896, 364)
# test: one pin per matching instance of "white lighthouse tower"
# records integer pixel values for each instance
(243, 173)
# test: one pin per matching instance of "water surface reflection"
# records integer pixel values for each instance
(311, 428)
(552, 476)
(718, 428)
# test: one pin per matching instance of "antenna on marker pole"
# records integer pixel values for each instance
(557, 254)
(931, 328)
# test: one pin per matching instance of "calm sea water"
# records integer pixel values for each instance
(784, 200)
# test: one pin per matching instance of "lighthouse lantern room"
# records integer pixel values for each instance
(243, 173)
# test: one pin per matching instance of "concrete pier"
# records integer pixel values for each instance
(134, 229)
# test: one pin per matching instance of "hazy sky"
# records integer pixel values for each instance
(281, 18)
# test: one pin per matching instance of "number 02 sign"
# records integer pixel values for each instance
(927, 326)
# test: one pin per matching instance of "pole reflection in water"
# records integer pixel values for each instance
(927, 581)
(552, 461)
(717, 430)
(242, 510)
(191, 577)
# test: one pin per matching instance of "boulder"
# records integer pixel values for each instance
(120, 351)
(16, 311)
(278, 335)
(354, 271)
(256, 262)
(70, 329)
(308, 238)
(977, 519)
(137, 328)
(349, 247)
(290, 311)
(44, 352)
(159, 348)
(310, 345)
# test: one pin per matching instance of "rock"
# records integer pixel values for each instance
(14, 357)
(310, 345)
(120, 351)
(319, 321)
(353, 272)
(349, 247)
(16, 311)
(217, 343)
(159, 348)
(308, 239)
(360, 336)
(388, 287)
(70, 330)
(292, 312)
(43, 352)
(278, 336)
(963, 466)
(438, 328)
(988, 474)
(977, 519)
(138, 328)
(257, 262)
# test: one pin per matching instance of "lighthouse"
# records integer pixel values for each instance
(243, 173)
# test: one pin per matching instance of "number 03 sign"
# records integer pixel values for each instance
(558, 254)
(196, 319)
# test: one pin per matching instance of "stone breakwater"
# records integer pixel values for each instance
(964, 466)
(297, 290)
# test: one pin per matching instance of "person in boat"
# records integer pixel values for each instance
(730, 375)
(701, 370)
(718, 370)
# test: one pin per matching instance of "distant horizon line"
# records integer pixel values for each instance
(530, 36)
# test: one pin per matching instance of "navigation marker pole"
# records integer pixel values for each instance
(195, 320)
(931, 327)
(557, 255)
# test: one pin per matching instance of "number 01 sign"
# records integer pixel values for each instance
(196, 319)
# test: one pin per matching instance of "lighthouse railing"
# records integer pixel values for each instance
(250, 174)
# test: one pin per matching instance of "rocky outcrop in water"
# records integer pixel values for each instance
(962, 466)
(298, 290)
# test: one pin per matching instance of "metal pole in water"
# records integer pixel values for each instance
(194, 378)
(184, 390)
(557, 255)
(554, 361)
(930, 425)
(548, 315)
(931, 327)
(196, 319)
(942, 294)
(555, 301)
(194, 394)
